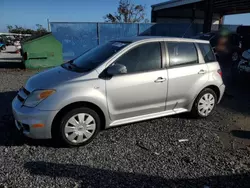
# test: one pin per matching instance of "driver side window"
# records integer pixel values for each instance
(145, 57)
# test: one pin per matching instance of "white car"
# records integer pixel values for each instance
(17, 44)
(120, 82)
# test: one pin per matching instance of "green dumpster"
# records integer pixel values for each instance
(42, 52)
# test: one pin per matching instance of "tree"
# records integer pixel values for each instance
(127, 12)
(9, 27)
(21, 30)
(40, 29)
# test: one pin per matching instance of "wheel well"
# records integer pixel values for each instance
(215, 89)
(75, 105)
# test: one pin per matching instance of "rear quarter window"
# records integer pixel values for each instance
(207, 52)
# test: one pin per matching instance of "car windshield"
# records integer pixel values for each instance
(94, 57)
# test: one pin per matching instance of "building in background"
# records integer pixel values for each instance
(209, 13)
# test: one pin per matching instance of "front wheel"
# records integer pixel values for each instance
(79, 127)
(204, 104)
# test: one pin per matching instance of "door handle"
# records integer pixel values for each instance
(202, 71)
(160, 79)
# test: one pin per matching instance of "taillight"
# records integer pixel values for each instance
(219, 72)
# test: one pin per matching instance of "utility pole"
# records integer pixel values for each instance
(208, 17)
(49, 30)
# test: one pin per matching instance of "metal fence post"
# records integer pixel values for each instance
(49, 26)
(138, 29)
(98, 33)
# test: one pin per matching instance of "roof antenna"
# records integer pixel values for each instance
(187, 29)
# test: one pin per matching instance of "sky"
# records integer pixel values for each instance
(28, 13)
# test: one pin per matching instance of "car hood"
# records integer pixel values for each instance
(51, 78)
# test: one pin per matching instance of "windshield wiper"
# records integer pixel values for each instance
(71, 62)
(72, 66)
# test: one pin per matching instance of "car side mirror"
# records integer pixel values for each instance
(117, 69)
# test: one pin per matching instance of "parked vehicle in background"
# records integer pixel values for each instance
(120, 82)
(2, 45)
(7, 40)
(17, 44)
(226, 46)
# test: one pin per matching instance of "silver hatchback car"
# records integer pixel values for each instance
(120, 82)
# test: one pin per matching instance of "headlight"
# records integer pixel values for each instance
(37, 96)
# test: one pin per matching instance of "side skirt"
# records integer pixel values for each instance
(147, 116)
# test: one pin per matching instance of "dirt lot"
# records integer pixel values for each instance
(145, 154)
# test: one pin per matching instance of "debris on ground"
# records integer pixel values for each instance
(183, 140)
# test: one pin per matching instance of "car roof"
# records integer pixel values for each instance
(160, 38)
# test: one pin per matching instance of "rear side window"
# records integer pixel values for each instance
(207, 52)
(182, 53)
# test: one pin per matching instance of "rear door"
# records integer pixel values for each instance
(187, 74)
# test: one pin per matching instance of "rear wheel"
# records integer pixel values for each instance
(79, 127)
(204, 103)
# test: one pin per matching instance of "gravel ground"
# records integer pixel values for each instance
(145, 154)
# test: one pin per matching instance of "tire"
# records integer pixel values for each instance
(197, 110)
(3, 47)
(79, 131)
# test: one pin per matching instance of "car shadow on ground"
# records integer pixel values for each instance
(236, 93)
(11, 64)
(236, 104)
(241, 134)
(93, 177)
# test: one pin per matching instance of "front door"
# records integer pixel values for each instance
(143, 89)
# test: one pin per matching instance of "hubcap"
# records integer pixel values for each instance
(206, 104)
(80, 128)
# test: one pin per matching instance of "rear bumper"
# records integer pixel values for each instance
(222, 90)
(25, 117)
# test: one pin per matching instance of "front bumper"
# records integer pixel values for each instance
(25, 117)
(222, 90)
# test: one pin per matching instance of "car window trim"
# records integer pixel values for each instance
(163, 55)
(166, 54)
(185, 65)
(200, 55)
(139, 72)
